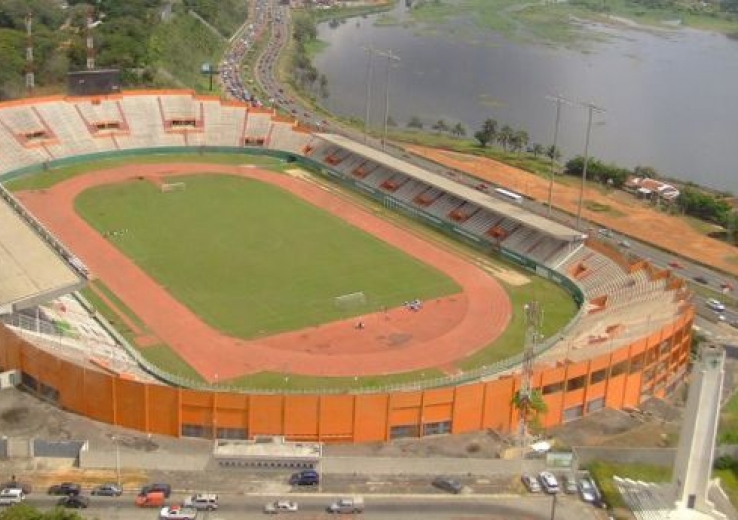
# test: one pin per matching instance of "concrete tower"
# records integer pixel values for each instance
(694, 457)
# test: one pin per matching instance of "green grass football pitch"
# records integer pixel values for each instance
(251, 259)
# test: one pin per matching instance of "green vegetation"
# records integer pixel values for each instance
(304, 73)
(273, 264)
(728, 429)
(26, 512)
(47, 178)
(726, 467)
(166, 358)
(603, 473)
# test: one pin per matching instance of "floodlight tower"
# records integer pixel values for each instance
(533, 322)
(30, 77)
(90, 40)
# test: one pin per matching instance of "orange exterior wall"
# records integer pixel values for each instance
(651, 366)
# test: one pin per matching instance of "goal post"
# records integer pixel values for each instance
(173, 186)
(351, 301)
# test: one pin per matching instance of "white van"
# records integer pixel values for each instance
(715, 305)
(202, 501)
(8, 497)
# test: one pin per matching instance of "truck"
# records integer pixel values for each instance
(347, 505)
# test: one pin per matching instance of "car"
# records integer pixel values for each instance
(587, 490)
(74, 502)
(531, 484)
(107, 490)
(347, 505)
(165, 489)
(9, 497)
(715, 305)
(65, 488)
(701, 279)
(604, 232)
(675, 265)
(177, 513)
(569, 484)
(280, 506)
(308, 477)
(202, 501)
(548, 482)
(448, 484)
(624, 243)
(26, 487)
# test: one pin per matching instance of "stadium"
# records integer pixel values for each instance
(422, 310)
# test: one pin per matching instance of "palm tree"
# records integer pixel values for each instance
(505, 136)
(533, 404)
(487, 133)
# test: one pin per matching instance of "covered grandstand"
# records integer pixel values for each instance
(630, 340)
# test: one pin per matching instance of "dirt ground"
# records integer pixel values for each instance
(626, 214)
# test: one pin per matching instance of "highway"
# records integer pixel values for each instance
(440, 507)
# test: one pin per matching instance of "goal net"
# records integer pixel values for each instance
(349, 302)
(173, 186)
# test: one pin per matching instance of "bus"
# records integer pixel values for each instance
(509, 195)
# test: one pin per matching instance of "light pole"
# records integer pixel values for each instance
(391, 56)
(591, 108)
(559, 100)
(553, 506)
(371, 51)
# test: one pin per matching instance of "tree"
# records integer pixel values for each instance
(440, 126)
(532, 406)
(553, 153)
(505, 136)
(415, 122)
(458, 130)
(519, 140)
(537, 149)
(487, 133)
(646, 171)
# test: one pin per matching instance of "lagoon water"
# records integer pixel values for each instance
(670, 96)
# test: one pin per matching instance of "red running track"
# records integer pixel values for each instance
(398, 340)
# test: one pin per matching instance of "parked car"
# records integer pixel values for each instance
(107, 490)
(624, 243)
(9, 497)
(569, 484)
(65, 488)
(280, 506)
(587, 490)
(165, 489)
(549, 483)
(701, 279)
(308, 477)
(715, 305)
(347, 505)
(531, 484)
(26, 487)
(448, 484)
(74, 502)
(675, 265)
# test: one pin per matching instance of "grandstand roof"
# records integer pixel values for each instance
(512, 211)
(30, 270)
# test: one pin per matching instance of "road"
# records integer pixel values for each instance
(440, 507)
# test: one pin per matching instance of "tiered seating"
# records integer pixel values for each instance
(23, 121)
(394, 183)
(179, 108)
(444, 205)
(14, 155)
(481, 221)
(258, 125)
(285, 137)
(73, 136)
(101, 114)
(463, 212)
(427, 197)
(145, 121)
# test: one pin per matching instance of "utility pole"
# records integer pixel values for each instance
(533, 322)
(559, 101)
(371, 51)
(391, 57)
(30, 78)
(591, 108)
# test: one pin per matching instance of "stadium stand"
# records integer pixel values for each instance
(624, 301)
